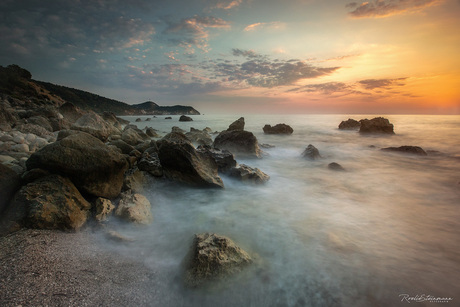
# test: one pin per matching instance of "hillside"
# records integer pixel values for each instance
(18, 83)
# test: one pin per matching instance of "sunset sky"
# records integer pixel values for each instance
(265, 56)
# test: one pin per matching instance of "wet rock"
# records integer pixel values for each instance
(349, 124)
(168, 117)
(177, 129)
(52, 202)
(9, 184)
(135, 208)
(95, 125)
(240, 143)
(138, 120)
(181, 162)
(93, 167)
(414, 150)
(376, 125)
(248, 174)
(103, 208)
(185, 118)
(278, 129)
(335, 166)
(311, 152)
(223, 158)
(213, 257)
(237, 125)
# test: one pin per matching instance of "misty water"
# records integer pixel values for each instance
(388, 225)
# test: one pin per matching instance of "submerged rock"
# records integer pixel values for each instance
(415, 150)
(213, 257)
(376, 125)
(185, 118)
(311, 152)
(93, 167)
(335, 166)
(278, 129)
(135, 208)
(237, 125)
(248, 174)
(240, 143)
(349, 124)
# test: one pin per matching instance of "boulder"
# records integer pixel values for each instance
(135, 180)
(168, 117)
(213, 257)
(311, 152)
(123, 146)
(278, 129)
(181, 162)
(376, 125)
(237, 125)
(138, 120)
(7, 118)
(70, 112)
(131, 136)
(9, 184)
(414, 150)
(103, 208)
(95, 125)
(93, 167)
(65, 133)
(135, 208)
(176, 137)
(111, 119)
(349, 124)
(185, 118)
(177, 129)
(41, 121)
(335, 166)
(240, 143)
(223, 158)
(199, 137)
(52, 202)
(33, 129)
(151, 132)
(150, 163)
(248, 174)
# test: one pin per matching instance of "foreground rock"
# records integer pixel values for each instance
(278, 129)
(311, 152)
(93, 167)
(350, 124)
(135, 208)
(376, 125)
(185, 118)
(213, 257)
(51, 202)
(181, 162)
(9, 184)
(248, 174)
(103, 208)
(414, 150)
(241, 143)
(224, 158)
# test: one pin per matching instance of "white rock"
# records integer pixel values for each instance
(20, 148)
(30, 137)
(6, 138)
(6, 159)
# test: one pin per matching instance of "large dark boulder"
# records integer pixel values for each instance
(223, 158)
(248, 174)
(93, 167)
(95, 125)
(9, 184)
(414, 150)
(213, 257)
(237, 125)
(278, 129)
(52, 202)
(349, 124)
(311, 152)
(185, 118)
(376, 125)
(181, 162)
(241, 143)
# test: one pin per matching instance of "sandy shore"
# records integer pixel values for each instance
(53, 268)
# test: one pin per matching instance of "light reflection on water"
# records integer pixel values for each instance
(388, 225)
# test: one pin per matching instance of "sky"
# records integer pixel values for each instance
(245, 56)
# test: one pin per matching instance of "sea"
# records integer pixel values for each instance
(384, 232)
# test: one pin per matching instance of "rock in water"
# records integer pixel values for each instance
(349, 124)
(237, 125)
(240, 143)
(224, 158)
(311, 152)
(376, 125)
(335, 166)
(185, 118)
(415, 150)
(103, 208)
(278, 129)
(93, 167)
(213, 257)
(181, 162)
(52, 202)
(249, 174)
(134, 208)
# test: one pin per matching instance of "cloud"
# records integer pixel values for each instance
(227, 4)
(328, 88)
(372, 84)
(245, 53)
(385, 8)
(264, 25)
(193, 31)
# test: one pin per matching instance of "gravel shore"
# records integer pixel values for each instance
(53, 268)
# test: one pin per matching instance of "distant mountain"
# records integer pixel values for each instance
(16, 81)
